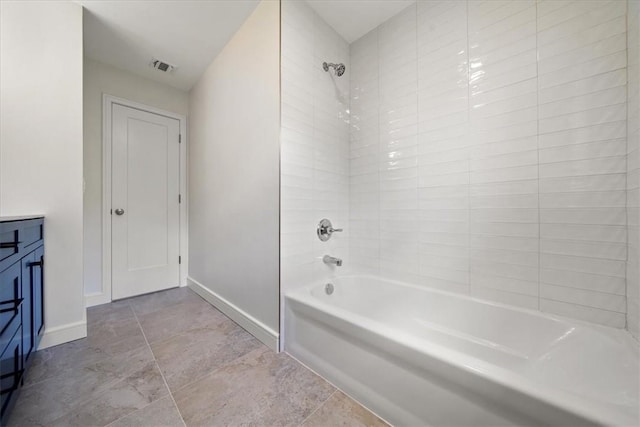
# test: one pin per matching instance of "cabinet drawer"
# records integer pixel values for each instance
(30, 234)
(11, 370)
(9, 243)
(18, 238)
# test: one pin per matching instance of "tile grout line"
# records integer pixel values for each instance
(215, 370)
(157, 366)
(320, 405)
(337, 389)
(102, 393)
(64, 371)
(145, 340)
(218, 369)
(182, 387)
(540, 264)
(130, 413)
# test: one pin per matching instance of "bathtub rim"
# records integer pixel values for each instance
(618, 333)
(585, 407)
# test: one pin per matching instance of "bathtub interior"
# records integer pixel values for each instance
(596, 363)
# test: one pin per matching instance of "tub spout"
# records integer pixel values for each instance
(332, 260)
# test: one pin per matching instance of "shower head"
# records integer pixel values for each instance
(339, 69)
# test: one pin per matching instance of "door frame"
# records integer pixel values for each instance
(108, 101)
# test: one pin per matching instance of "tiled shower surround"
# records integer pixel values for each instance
(487, 152)
(314, 145)
(633, 166)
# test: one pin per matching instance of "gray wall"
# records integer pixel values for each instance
(234, 176)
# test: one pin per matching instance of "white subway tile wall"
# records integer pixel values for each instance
(633, 166)
(473, 146)
(364, 180)
(443, 144)
(488, 153)
(503, 116)
(314, 146)
(582, 141)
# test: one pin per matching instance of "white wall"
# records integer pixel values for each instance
(102, 79)
(41, 145)
(234, 176)
(488, 153)
(315, 146)
(633, 167)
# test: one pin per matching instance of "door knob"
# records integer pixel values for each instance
(119, 211)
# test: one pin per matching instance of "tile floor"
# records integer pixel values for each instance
(171, 359)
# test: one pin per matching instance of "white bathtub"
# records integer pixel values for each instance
(417, 356)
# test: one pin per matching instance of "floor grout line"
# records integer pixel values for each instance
(217, 369)
(158, 366)
(102, 393)
(65, 371)
(319, 406)
(130, 413)
(214, 371)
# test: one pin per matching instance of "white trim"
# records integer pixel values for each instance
(106, 197)
(104, 296)
(184, 207)
(255, 327)
(97, 298)
(62, 334)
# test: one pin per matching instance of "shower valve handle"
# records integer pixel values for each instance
(325, 230)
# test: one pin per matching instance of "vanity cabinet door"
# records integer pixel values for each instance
(38, 293)
(27, 305)
(11, 369)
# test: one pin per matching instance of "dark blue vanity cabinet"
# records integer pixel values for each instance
(21, 302)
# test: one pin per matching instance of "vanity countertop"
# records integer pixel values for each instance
(19, 218)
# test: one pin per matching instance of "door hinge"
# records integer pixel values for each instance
(179, 198)
(179, 138)
(110, 211)
(179, 259)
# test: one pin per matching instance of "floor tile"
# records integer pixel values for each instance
(219, 374)
(179, 318)
(117, 310)
(35, 408)
(41, 403)
(161, 413)
(115, 335)
(104, 340)
(196, 353)
(158, 301)
(342, 411)
(260, 388)
(136, 391)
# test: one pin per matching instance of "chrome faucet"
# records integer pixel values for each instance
(332, 260)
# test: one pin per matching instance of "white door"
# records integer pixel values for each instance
(144, 200)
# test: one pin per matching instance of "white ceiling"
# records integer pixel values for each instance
(353, 19)
(191, 33)
(188, 34)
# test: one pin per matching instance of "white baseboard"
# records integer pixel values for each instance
(63, 334)
(255, 327)
(100, 298)
(96, 299)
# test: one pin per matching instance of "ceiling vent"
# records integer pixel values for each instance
(162, 66)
